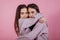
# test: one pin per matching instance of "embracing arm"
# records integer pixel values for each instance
(31, 21)
(33, 34)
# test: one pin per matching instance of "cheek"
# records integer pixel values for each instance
(21, 15)
(33, 14)
(24, 15)
(27, 15)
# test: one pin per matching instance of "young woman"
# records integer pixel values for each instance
(33, 10)
(21, 12)
(39, 31)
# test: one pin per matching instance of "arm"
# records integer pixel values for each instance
(38, 28)
(31, 21)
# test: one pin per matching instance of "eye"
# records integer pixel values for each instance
(22, 13)
(26, 12)
(32, 12)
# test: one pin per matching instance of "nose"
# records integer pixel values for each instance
(30, 15)
(25, 15)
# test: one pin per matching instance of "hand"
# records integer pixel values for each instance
(17, 31)
(18, 34)
(42, 20)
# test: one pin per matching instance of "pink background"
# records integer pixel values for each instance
(50, 9)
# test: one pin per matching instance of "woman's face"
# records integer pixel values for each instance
(23, 13)
(32, 12)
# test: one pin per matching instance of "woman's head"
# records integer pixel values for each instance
(21, 12)
(32, 9)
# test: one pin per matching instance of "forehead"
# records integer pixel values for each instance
(31, 9)
(23, 10)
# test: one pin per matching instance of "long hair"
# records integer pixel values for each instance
(17, 16)
(34, 6)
